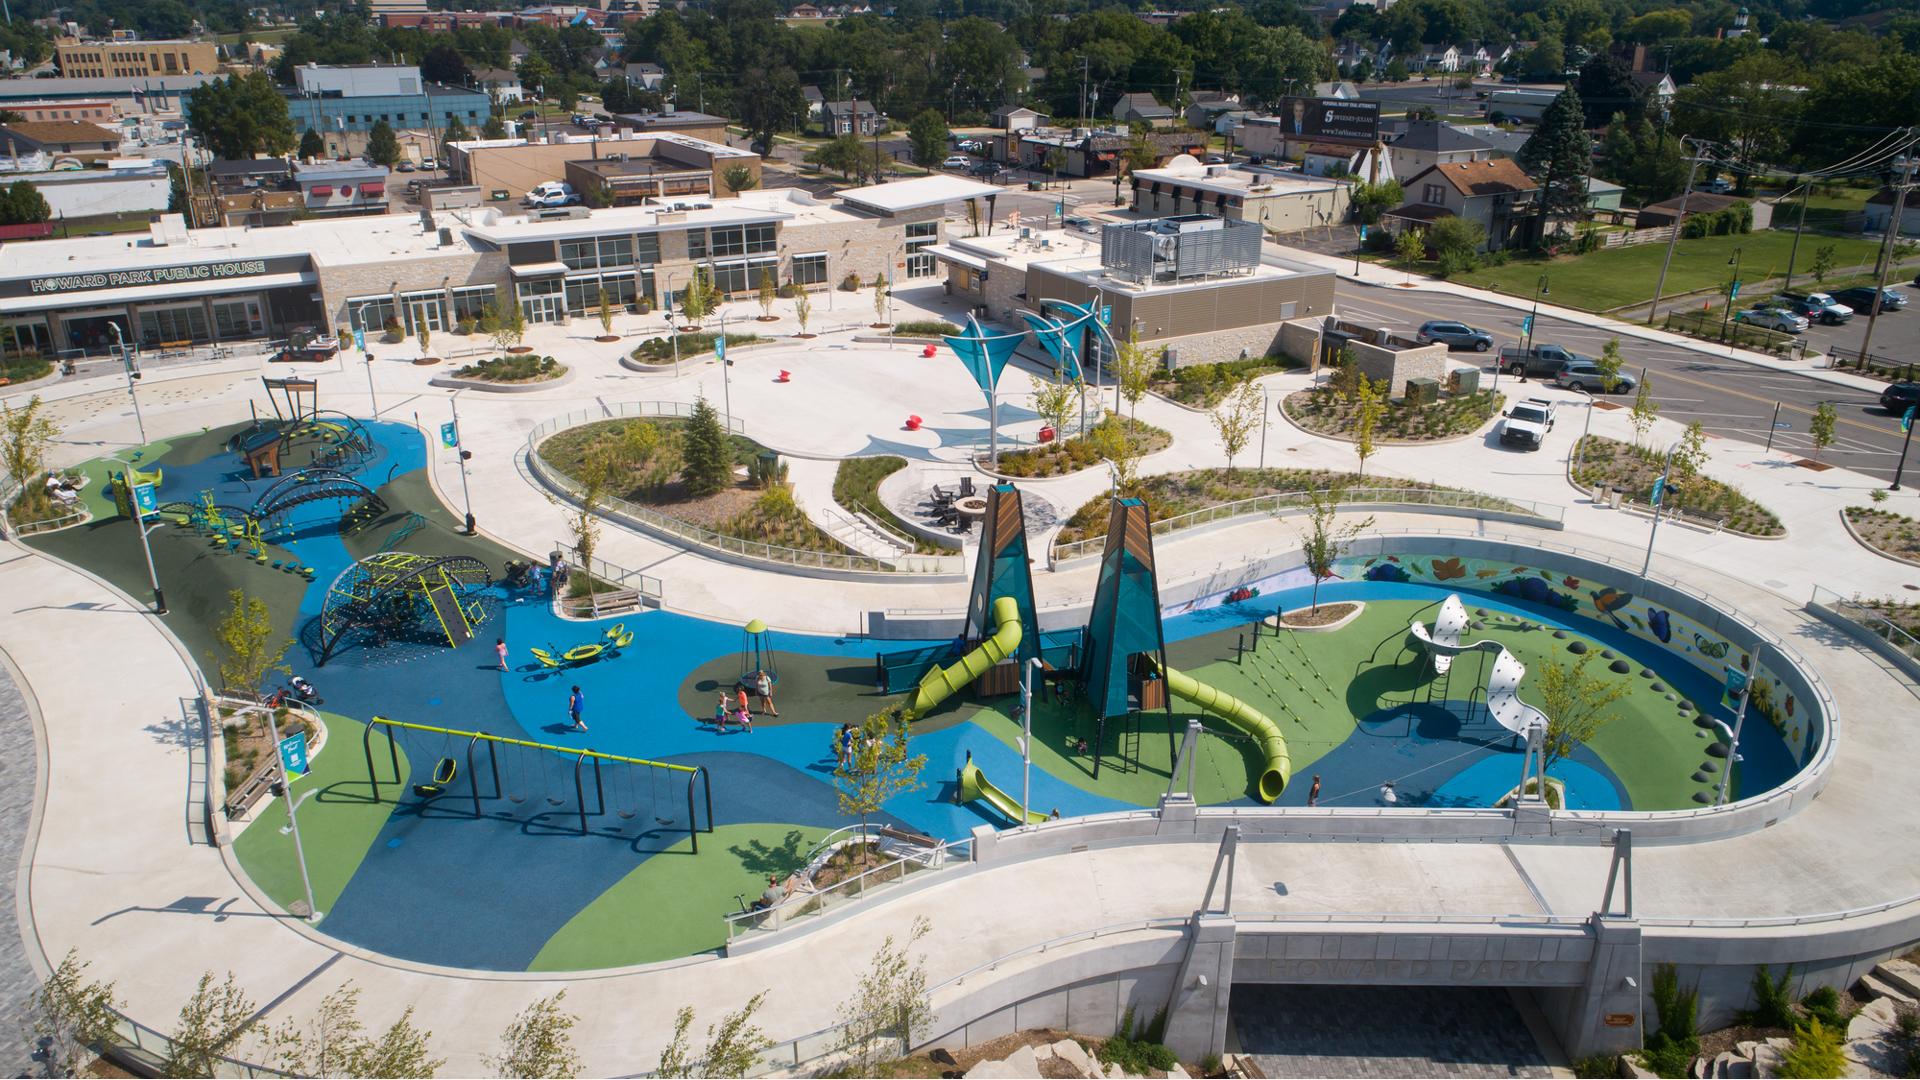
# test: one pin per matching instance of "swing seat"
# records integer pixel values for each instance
(625, 639)
(614, 631)
(546, 658)
(445, 771)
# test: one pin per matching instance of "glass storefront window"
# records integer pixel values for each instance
(170, 326)
(237, 318)
(471, 301)
(810, 269)
(370, 313)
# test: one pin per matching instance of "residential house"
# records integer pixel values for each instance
(1430, 142)
(1656, 91)
(1143, 108)
(1207, 107)
(1439, 59)
(1017, 118)
(1498, 194)
(1339, 91)
(1603, 197)
(852, 118)
(66, 144)
(806, 11)
(1879, 211)
(1655, 215)
(816, 102)
(504, 83)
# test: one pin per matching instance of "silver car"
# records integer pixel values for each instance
(1774, 318)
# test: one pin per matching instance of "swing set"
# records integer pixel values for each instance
(541, 779)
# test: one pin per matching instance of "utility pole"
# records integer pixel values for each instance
(1886, 255)
(1083, 92)
(1794, 252)
(1680, 217)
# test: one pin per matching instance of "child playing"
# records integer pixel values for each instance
(744, 718)
(720, 712)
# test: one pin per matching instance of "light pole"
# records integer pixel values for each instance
(1906, 424)
(1266, 417)
(1673, 238)
(726, 379)
(1659, 497)
(1540, 289)
(146, 548)
(293, 819)
(1026, 737)
(460, 446)
(133, 374)
(1733, 292)
(1886, 258)
(1739, 718)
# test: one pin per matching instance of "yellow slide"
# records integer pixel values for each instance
(940, 683)
(1279, 767)
(975, 785)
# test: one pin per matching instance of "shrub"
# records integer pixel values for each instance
(1772, 1004)
(1815, 1053)
(850, 283)
(660, 350)
(1139, 1051)
(1670, 1050)
(1823, 1004)
(1597, 1067)
(925, 328)
(1456, 262)
(507, 369)
(766, 470)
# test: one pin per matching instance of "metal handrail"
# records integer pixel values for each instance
(1283, 501)
(943, 855)
(645, 584)
(700, 536)
(1868, 619)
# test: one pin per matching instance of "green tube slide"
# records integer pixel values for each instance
(940, 683)
(975, 785)
(1279, 767)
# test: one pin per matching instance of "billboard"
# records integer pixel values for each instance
(1330, 118)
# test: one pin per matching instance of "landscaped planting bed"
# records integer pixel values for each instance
(20, 369)
(1200, 385)
(662, 350)
(1064, 456)
(856, 486)
(926, 329)
(1885, 531)
(1325, 411)
(1633, 469)
(524, 368)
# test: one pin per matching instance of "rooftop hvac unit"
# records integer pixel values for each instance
(446, 237)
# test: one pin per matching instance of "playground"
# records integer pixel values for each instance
(456, 814)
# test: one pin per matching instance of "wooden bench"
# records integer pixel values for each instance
(249, 794)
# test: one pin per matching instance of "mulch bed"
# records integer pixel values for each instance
(1888, 532)
(1328, 613)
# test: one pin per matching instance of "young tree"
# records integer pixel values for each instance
(1133, 367)
(696, 299)
(454, 132)
(494, 128)
(769, 292)
(1366, 417)
(734, 1045)
(1410, 248)
(802, 310)
(1324, 541)
(1577, 705)
(25, 436)
(1608, 364)
(1117, 447)
(1816, 1052)
(312, 146)
(1371, 200)
(1055, 160)
(333, 1043)
(928, 133)
(382, 146)
(1238, 415)
(245, 642)
(1644, 412)
(1821, 427)
(1690, 456)
(1560, 154)
(706, 451)
(879, 768)
(843, 155)
(72, 1016)
(606, 311)
(506, 326)
(210, 1023)
(1054, 400)
(739, 178)
(890, 1000)
(597, 474)
(880, 300)
(1823, 262)
(539, 1042)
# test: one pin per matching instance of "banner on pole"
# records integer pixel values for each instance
(449, 435)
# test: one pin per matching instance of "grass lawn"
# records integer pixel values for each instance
(1617, 277)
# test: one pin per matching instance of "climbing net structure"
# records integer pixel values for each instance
(399, 598)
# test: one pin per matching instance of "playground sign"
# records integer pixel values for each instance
(359, 339)
(145, 500)
(1659, 489)
(449, 435)
(1106, 314)
(1906, 419)
(293, 755)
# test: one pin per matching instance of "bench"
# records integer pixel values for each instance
(249, 794)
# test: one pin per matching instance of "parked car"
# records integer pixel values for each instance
(1527, 423)
(1586, 375)
(1818, 306)
(1719, 185)
(529, 116)
(986, 169)
(429, 164)
(1216, 159)
(1771, 317)
(1509, 80)
(551, 193)
(1898, 397)
(1860, 298)
(957, 161)
(406, 166)
(1456, 336)
(974, 146)
(1539, 362)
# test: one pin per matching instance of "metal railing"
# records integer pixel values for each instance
(1286, 501)
(646, 585)
(1713, 326)
(10, 491)
(134, 1043)
(699, 535)
(1866, 618)
(801, 907)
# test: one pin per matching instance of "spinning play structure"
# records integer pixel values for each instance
(399, 596)
(1444, 643)
(617, 638)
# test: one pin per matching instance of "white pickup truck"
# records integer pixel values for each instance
(1526, 424)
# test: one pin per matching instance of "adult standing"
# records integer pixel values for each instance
(576, 704)
(1313, 793)
(763, 686)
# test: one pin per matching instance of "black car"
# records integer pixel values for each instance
(1860, 298)
(1457, 337)
(1898, 397)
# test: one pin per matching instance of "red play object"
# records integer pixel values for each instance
(1046, 433)
(928, 351)
(785, 376)
(913, 423)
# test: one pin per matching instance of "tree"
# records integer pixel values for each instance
(696, 298)
(1396, 71)
(25, 436)
(843, 155)
(1606, 87)
(240, 116)
(879, 299)
(1823, 260)
(22, 204)
(1054, 400)
(1577, 705)
(1457, 237)
(244, 640)
(769, 100)
(879, 767)
(1055, 160)
(539, 1042)
(928, 133)
(1410, 247)
(312, 146)
(734, 1045)
(1752, 107)
(1133, 368)
(494, 128)
(1644, 412)
(1690, 454)
(382, 147)
(72, 1016)
(1366, 417)
(1560, 154)
(505, 326)
(454, 132)
(605, 304)
(1816, 1052)
(1117, 447)
(769, 292)
(1821, 427)
(1369, 201)
(739, 178)
(210, 1023)
(1608, 364)
(1324, 541)
(332, 1043)
(1547, 59)
(802, 310)
(443, 64)
(1238, 415)
(706, 452)
(1647, 161)
(597, 472)
(891, 999)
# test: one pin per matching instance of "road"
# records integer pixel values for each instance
(1729, 398)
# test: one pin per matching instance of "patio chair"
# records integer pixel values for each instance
(966, 487)
(964, 526)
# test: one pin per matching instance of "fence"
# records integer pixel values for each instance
(1873, 364)
(699, 536)
(1282, 502)
(1715, 326)
(1872, 623)
(11, 490)
(631, 588)
(800, 908)
(1636, 237)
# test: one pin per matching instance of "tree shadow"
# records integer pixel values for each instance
(758, 857)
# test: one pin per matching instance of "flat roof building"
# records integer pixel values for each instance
(135, 59)
(1275, 199)
(155, 94)
(64, 143)
(505, 169)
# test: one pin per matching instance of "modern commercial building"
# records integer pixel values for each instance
(1277, 200)
(1087, 153)
(135, 59)
(160, 94)
(342, 188)
(64, 144)
(342, 104)
(1204, 288)
(674, 121)
(129, 186)
(436, 269)
(629, 165)
(96, 111)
